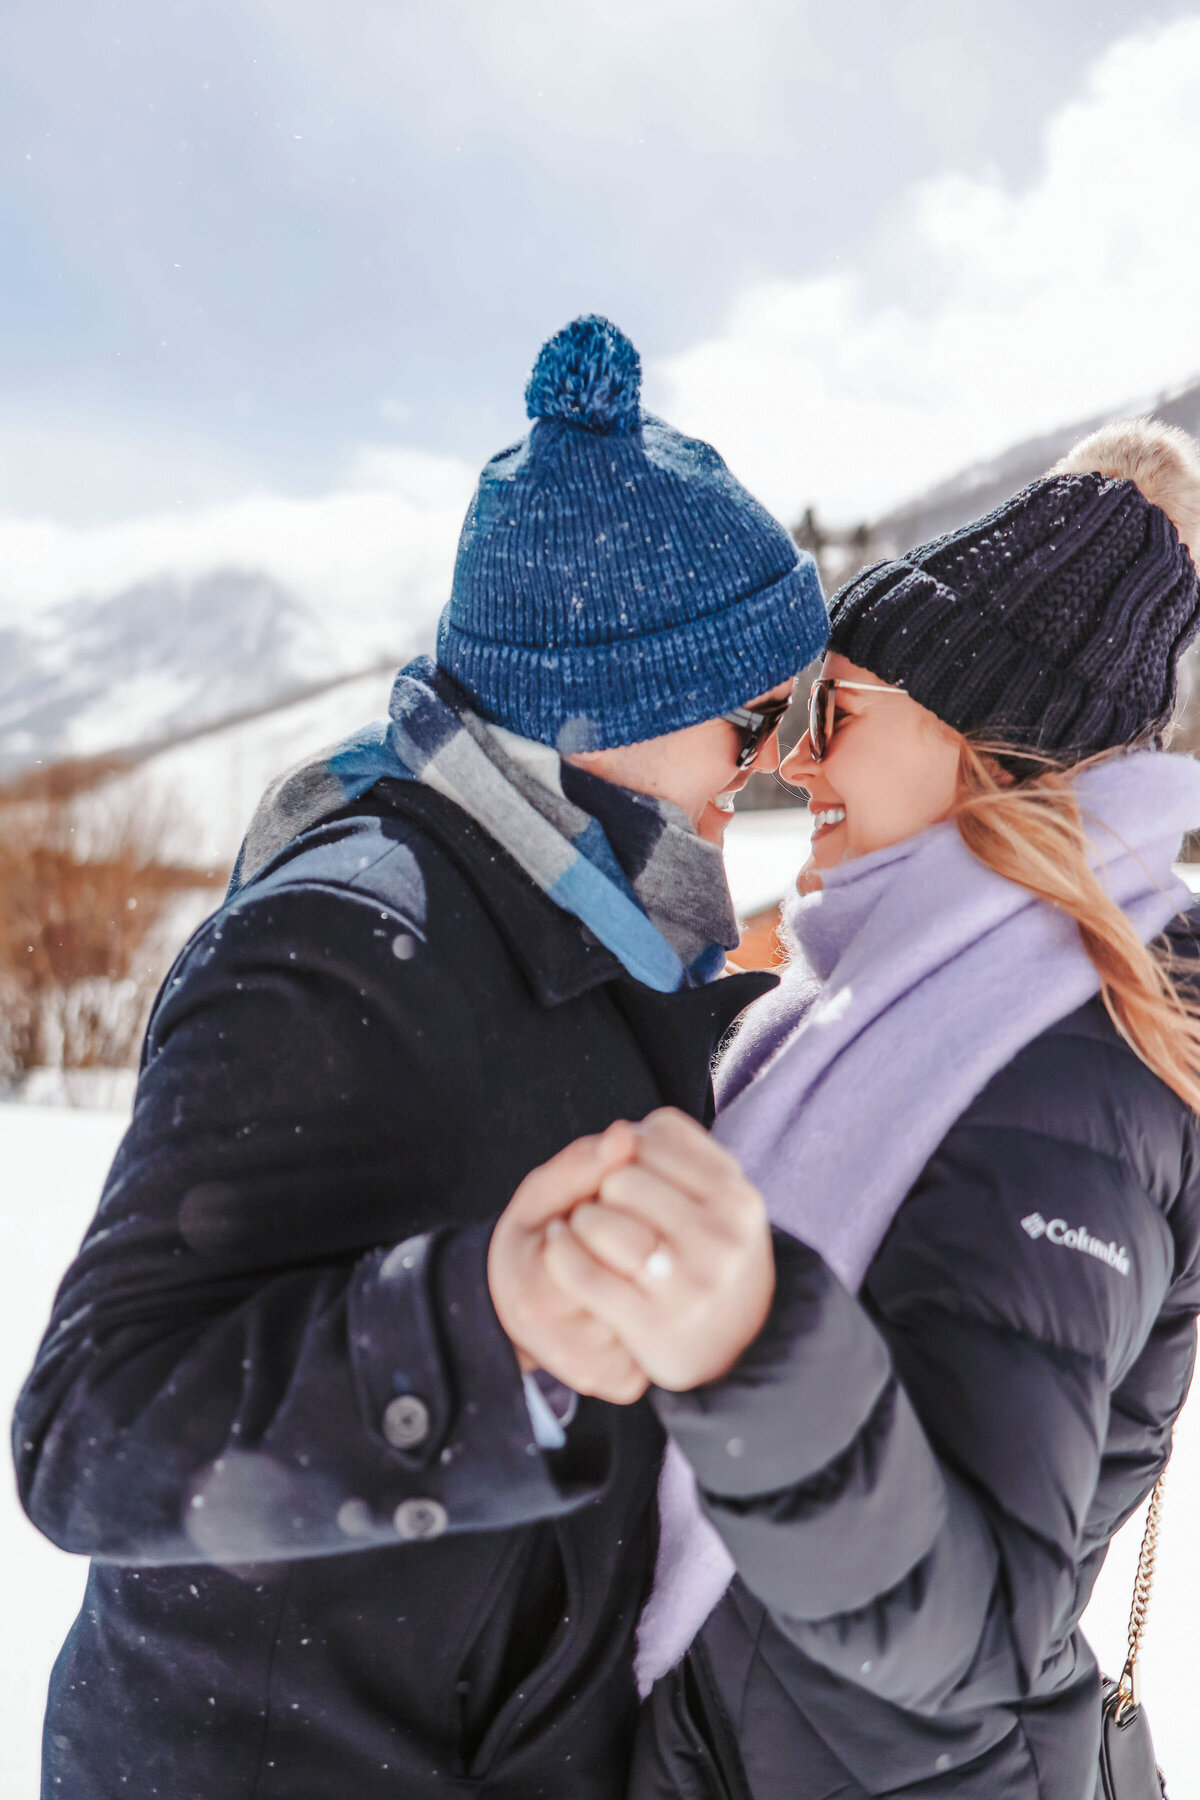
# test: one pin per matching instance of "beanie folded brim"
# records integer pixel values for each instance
(632, 688)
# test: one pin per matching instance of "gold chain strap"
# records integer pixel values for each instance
(1129, 1686)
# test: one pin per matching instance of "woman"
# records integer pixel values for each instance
(971, 1109)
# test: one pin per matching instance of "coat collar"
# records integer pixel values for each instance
(559, 956)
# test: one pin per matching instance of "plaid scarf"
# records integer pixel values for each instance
(629, 867)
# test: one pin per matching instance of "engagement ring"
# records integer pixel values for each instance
(659, 1265)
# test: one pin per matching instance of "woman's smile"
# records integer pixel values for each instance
(826, 819)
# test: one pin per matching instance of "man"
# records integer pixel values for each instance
(350, 1536)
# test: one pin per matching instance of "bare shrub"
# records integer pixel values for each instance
(87, 885)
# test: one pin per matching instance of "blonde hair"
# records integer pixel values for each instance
(1032, 833)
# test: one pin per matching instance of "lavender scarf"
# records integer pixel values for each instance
(916, 975)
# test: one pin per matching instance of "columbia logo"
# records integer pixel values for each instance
(1076, 1237)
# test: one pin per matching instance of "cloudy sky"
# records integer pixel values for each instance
(275, 270)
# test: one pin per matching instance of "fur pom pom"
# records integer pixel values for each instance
(588, 374)
(1162, 460)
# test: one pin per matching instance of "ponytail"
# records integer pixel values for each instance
(1032, 833)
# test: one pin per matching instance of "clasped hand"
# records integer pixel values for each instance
(641, 1255)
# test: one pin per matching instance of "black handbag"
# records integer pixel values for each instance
(1128, 1769)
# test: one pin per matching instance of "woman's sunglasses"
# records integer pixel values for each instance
(822, 709)
(754, 725)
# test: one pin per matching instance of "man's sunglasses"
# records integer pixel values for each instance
(822, 709)
(754, 724)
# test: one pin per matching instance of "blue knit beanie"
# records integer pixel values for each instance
(614, 582)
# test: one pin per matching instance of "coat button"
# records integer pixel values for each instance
(405, 1422)
(589, 937)
(420, 1519)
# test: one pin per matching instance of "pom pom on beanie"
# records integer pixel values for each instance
(1162, 461)
(588, 374)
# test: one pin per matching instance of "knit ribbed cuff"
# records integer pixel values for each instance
(593, 697)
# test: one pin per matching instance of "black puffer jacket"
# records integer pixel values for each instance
(275, 1405)
(919, 1515)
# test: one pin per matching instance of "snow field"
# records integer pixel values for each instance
(53, 1161)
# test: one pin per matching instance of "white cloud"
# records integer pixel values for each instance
(376, 552)
(1039, 306)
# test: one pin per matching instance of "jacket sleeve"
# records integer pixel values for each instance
(270, 1345)
(904, 1479)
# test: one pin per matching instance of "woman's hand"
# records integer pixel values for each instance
(673, 1255)
(547, 1324)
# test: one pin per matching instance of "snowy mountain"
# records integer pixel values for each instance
(977, 489)
(157, 661)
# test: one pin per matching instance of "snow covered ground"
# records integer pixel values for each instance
(54, 1160)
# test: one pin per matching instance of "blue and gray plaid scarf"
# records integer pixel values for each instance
(629, 867)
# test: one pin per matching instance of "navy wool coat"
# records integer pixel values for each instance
(274, 1404)
(925, 1486)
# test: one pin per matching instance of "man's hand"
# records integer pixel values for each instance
(549, 1328)
(674, 1257)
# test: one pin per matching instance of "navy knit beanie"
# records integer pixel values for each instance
(1054, 624)
(614, 582)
